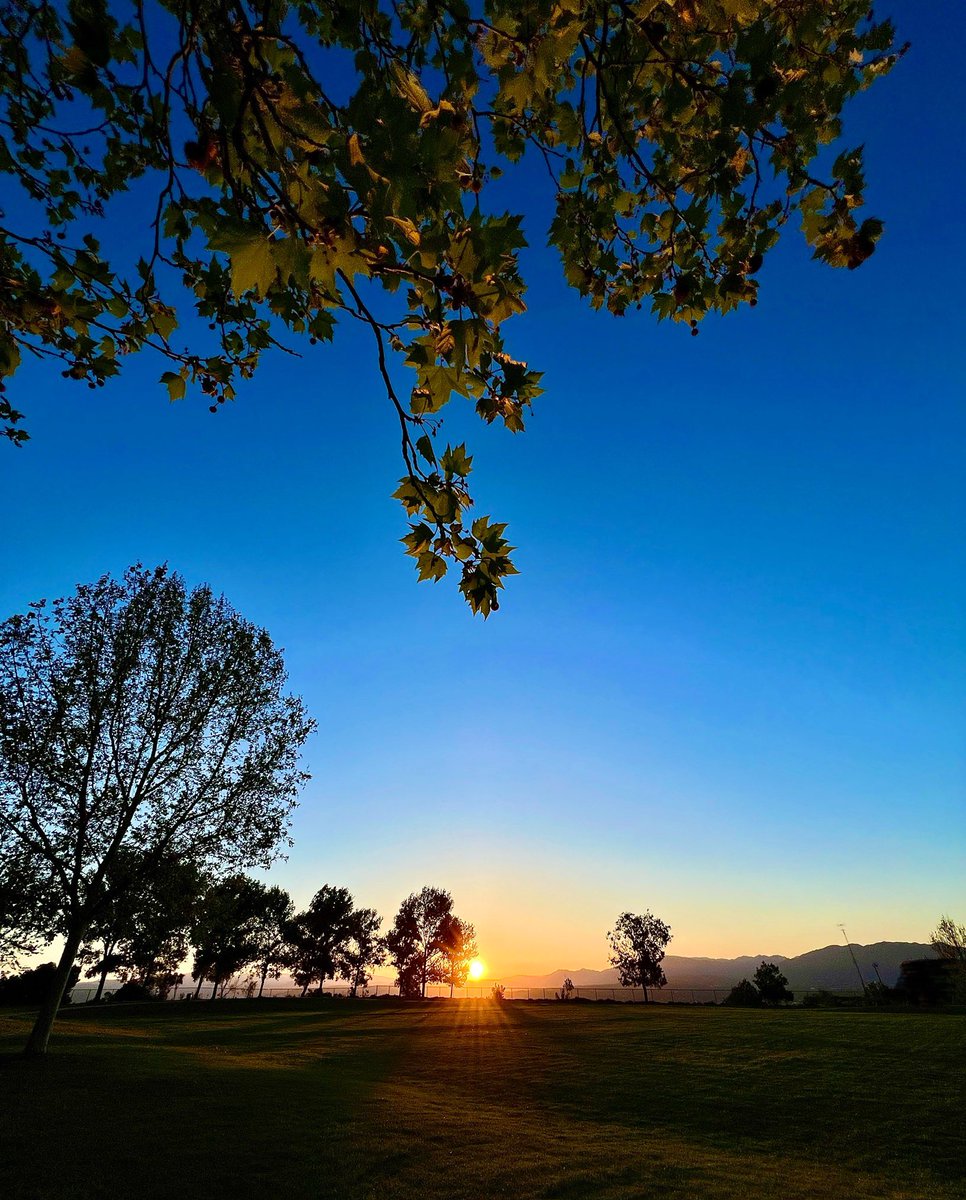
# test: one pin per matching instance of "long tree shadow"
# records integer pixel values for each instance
(235, 1108)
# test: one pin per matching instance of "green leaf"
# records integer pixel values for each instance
(175, 384)
(253, 267)
(425, 447)
(456, 461)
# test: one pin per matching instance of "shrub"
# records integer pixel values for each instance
(131, 991)
(821, 999)
(33, 987)
(743, 995)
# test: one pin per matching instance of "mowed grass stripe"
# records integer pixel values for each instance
(474, 1099)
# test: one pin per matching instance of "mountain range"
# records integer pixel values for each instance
(831, 967)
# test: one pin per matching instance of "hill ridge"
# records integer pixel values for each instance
(828, 966)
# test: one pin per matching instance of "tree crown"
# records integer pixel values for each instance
(303, 163)
(139, 717)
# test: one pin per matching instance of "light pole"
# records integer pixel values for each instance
(852, 955)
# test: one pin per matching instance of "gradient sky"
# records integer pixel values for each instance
(729, 684)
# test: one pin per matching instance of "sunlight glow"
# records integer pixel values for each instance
(477, 968)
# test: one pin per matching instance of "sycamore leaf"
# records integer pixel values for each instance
(175, 384)
(253, 267)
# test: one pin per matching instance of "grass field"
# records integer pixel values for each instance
(474, 1099)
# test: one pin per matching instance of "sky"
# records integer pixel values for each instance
(729, 685)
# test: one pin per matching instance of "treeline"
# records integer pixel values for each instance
(160, 913)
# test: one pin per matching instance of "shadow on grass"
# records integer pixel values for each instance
(472, 1100)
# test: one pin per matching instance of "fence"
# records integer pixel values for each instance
(620, 995)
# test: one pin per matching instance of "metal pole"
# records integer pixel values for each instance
(852, 955)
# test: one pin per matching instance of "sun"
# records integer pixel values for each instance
(477, 968)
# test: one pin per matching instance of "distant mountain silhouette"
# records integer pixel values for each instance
(831, 967)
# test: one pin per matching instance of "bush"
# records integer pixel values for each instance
(498, 992)
(33, 987)
(821, 999)
(131, 991)
(743, 995)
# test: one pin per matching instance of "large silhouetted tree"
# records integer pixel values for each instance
(318, 937)
(299, 162)
(363, 950)
(140, 931)
(638, 945)
(271, 934)
(137, 715)
(771, 984)
(457, 947)
(227, 930)
(414, 942)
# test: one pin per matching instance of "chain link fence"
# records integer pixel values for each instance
(619, 995)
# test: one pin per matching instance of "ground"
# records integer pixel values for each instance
(476, 1099)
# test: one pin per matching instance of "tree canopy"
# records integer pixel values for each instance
(415, 942)
(771, 984)
(228, 927)
(318, 936)
(363, 949)
(294, 162)
(457, 948)
(138, 716)
(140, 930)
(638, 944)
(949, 940)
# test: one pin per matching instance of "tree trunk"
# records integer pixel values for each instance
(103, 979)
(261, 986)
(214, 990)
(201, 979)
(40, 1034)
(644, 986)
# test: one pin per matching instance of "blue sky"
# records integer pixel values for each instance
(729, 683)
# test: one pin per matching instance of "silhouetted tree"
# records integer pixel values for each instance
(318, 936)
(271, 934)
(363, 949)
(457, 947)
(637, 950)
(567, 990)
(134, 714)
(140, 930)
(949, 940)
(743, 995)
(771, 984)
(414, 940)
(225, 932)
(33, 986)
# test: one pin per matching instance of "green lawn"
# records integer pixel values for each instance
(473, 1099)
